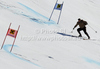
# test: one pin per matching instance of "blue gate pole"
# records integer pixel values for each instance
(53, 10)
(60, 13)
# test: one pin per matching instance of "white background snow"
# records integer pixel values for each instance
(38, 46)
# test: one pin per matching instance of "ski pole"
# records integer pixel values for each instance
(72, 31)
(92, 28)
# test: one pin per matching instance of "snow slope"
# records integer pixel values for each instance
(38, 46)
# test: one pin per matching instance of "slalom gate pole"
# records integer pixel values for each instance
(5, 37)
(14, 39)
(12, 45)
(53, 10)
(60, 14)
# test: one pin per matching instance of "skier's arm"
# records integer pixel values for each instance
(75, 26)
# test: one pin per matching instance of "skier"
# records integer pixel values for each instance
(82, 26)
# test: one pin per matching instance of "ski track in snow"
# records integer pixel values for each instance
(6, 48)
(28, 13)
(42, 18)
(91, 61)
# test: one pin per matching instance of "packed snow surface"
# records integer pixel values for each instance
(43, 44)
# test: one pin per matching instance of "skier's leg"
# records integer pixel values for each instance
(86, 33)
(78, 30)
